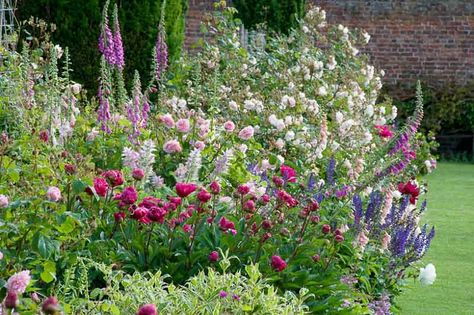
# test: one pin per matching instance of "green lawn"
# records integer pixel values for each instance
(451, 210)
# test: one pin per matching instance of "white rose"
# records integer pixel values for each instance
(427, 274)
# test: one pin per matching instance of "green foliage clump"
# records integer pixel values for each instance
(79, 30)
(279, 15)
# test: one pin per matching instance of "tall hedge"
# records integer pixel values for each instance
(78, 28)
(279, 15)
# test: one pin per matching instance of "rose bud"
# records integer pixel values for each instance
(266, 236)
(326, 229)
(338, 232)
(215, 187)
(315, 219)
(314, 205)
(339, 238)
(138, 174)
(303, 213)
(316, 258)
(213, 256)
(70, 169)
(267, 224)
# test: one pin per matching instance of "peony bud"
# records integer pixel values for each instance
(50, 305)
(326, 229)
(213, 256)
(138, 174)
(11, 300)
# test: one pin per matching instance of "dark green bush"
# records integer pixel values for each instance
(79, 30)
(279, 15)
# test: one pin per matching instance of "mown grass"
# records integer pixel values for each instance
(451, 210)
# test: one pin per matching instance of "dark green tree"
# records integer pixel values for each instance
(78, 28)
(278, 15)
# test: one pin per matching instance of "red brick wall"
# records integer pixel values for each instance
(430, 40)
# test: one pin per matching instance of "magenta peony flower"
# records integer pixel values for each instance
(138, 174)
(187, 228)
(215, 187)
(119, 216)
(53, 194)
(265, 198)
(278, 263)
(114, 177)
(213, 256)
(167, 120)
(18, 282)
(50, 305)
(172, 146)
(288, 173)
(157, 214)
(3, 201)
(226, 225)
(243, 189)
(204, 196)
(246, 133)
(148, 309)
(384, 131)
(129, 195)
(326, 229)
(229, 126)
(183, 125)
(44, 135)
(100, 186)
(278, 181)
(185, 189)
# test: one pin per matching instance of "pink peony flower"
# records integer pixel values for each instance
(243, 189)
(157, 214)
(167, 120)
(129, 195)
(18, 282)
(185, 189)
(288, 173)
(138, 174)
(187, 228)
(215, 187)
(148, 309)
(326, 229)
(183, 125)
(119, 216)
(278, 263)
(384, 131)
(3, 201)
(53, 194)
(204, 196)
(246, 133)
(229, 126)
(101, 186)
(172, 146)
(213, 256)
(226, 225)
(50, 305)
(114, 177)
(44, 135)
(199, 145)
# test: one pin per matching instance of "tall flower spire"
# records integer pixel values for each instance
(161, 49)
(106, 39)
(117, 39)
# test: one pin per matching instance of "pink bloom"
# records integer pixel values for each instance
(246, 133)
(3, 201)
(288, 173)
(243, 189)
(167, 120)
(129, 195)
(229, 126)
(213, 256)
(185, 189)
(183, 125)
(223, 294)
(278, 263)
(114, 177)
(339, 238)
(44, 135)
(278, 181)
(70, 168)
(384, 131)
(119, 216)
(326, 229)
(215, 187)
(138, 174)
(265, 198)
(148, 309)
(249, 205)
(386, 240)
(187, 228)
(204, 196)
(157, 214)
(11, 301)
(199, 145)
(50, 305)
(53, 194)
(226, 225)
(172, 146)
(18, 282)
(100, 186)
(363, 239)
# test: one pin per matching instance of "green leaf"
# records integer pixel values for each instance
(78, 186)
(47, 276)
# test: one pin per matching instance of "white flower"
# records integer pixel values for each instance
(427, 274)
(233, 106)
(339, 117)
(76, 88)
(366, 37)
(290, 135)
(280, 143)
(396, 194)
(322, 91)
(369, 111)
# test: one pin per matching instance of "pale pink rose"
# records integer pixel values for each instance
(199, 145)
(246, 133)
(386, 240)
(183, 125)
(229, 126)
(167, 120)
(3, 201)
(53, 194)
(172, 146)
(18, 282)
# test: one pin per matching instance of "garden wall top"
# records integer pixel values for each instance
(429, 40)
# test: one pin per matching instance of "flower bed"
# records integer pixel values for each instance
(277, 160)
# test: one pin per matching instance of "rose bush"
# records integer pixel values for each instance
(275, 153)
